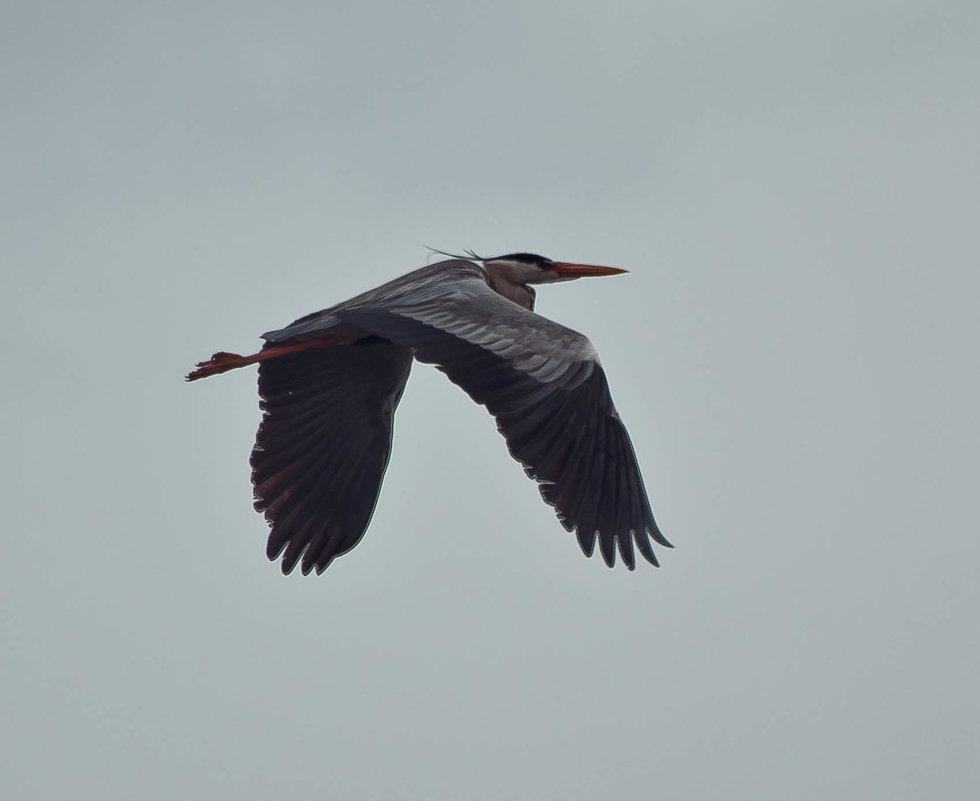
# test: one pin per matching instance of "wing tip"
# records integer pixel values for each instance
(615, 544)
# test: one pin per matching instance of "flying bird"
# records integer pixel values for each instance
(329, 384)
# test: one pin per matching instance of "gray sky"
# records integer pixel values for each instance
(794, 187)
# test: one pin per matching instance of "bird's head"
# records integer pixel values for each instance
(530, 268)
(512, 274)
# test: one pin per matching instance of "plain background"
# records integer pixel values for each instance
(794, 188)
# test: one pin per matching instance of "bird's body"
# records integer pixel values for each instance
(330, 382)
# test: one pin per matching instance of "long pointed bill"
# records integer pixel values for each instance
(567, 269)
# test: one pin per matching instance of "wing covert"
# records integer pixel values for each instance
(470, 310)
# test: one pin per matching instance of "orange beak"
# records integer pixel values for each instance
(567, 269)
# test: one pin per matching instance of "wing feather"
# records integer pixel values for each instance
(544, 385)
(323, 446)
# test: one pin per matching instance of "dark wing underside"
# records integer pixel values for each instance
(323, 445)
(556, 413)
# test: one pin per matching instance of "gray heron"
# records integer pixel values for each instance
(329, 384)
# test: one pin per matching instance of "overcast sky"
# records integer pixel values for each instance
(795, 188)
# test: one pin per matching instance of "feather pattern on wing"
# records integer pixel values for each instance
(545, 387)
(323, 445)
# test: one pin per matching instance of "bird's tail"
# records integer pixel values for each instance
(222, 361)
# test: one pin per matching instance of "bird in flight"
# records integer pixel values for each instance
(329, 384)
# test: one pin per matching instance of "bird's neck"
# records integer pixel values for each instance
(521, 294)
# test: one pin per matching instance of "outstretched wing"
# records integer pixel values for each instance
(545, 387)
(323, 445)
